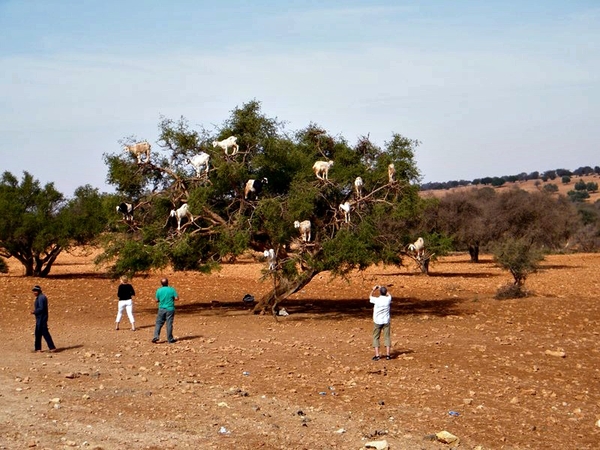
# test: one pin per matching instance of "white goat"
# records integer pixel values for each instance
(358, 185)
(391, 173)
(304, 227)
(321, 169)
(271, 258)
(200, 163)
(417, 247)
(139, 149)
(345, 208)
(226, 143)
(254, 187)
(180, 213)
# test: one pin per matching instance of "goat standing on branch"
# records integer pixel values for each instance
(305, 229)
(180, 213)
(200, 162)
(254, 187)
(417, 247)
(391, 173)
(321, 169)
(138, 150)
(127, 210)
(226, 143)
(358, 186)
(271, 258)
(345, 208)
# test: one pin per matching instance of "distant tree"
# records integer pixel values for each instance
(510, 178)
(578, 196)
(551, 188)
(563, 173)
(581, 171)
(497, 182)
(549, 175)
(566, 179)
(521, 258)
(580, 186)
(533, 175)
(597, 170)
(591, 186)
(38, 223)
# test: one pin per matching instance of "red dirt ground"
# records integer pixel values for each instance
(306, 381)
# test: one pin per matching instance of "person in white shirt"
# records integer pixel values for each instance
(381, 320)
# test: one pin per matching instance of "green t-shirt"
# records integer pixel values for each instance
(165, 296)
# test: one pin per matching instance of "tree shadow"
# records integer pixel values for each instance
(75, 276)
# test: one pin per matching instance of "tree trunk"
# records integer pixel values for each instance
(474, 252)
(283, 288)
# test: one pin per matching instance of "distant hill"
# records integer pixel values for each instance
(528, 185)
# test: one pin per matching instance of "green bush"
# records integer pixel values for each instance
(580, 186)
(519, 257)
(578, 196)
(550, 188)
(591, 186)
(566, 179)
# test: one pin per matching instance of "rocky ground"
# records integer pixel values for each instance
(511, 374)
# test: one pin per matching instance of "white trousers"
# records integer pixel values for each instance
(126, 305)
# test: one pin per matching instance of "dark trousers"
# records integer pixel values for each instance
(41, 330)
(164, 315)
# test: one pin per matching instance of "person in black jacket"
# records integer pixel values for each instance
(40, 310)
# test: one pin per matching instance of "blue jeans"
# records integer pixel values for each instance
(164, 315)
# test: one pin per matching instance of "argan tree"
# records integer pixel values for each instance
(224, 224)
(38, 223)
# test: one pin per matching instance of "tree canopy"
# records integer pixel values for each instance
(38, 223)
(224, 224)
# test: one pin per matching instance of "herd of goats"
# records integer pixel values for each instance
(252, 189)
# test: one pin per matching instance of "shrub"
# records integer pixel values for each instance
(591, 186)
(551, 188)
(580, 186)
(566, 179)
(578, 196)
(519, 257)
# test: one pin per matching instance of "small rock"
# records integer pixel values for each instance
(341, 431)
(446, 437)
(54, 400)
(598, 423)
(557, 353)
(379, 445)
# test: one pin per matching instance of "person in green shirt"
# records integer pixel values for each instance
(166, 296)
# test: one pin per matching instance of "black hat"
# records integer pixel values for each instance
(37, 288)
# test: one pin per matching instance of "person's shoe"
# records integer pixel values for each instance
(388, 357)
(172, 341)
(154, 340)
(52, 350)
(375, 358)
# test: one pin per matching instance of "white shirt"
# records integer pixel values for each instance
(381, 308)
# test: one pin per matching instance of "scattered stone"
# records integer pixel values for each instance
(446, 437)
(598, 423)
(341, 431)
(55, 400)
(557, 353)
(70, 375)
(378, 445)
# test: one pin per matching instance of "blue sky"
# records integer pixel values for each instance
(490, 88)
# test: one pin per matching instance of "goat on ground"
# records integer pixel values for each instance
(271, 258)
(358, 186)
(345, 208)
(127, 210)
(254, 187)
(305, 229)
(391, 173)
(321, 169)
(417, 247)
(180, 213)
(138, 150)
(200, 163)
(226, 143)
